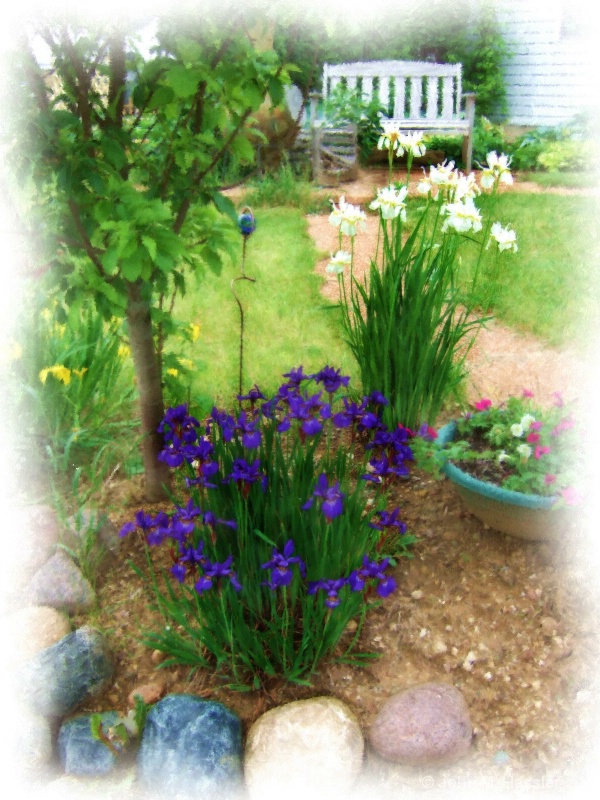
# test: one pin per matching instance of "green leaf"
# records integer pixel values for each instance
(242, 148)
(162, 97)
(110, 261)
(131, 268)
(183, 81)
(150, 245)
(275, 91)
(224, 205)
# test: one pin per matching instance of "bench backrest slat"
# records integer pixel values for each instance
(435, 89)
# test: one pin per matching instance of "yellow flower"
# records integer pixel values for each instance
(80, 372)
(123, 351)
(195, 331)
(173, 372)
(187, 363)
(46, 314)
(60, 329)
(59, 371)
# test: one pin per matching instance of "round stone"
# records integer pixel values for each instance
(309, 748)
(56, 680)
(190, 747)
(79, 752)
(424, 725)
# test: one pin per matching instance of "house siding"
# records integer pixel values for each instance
(551, 74)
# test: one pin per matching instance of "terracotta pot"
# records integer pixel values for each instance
(528, 516)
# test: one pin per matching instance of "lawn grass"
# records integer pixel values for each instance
(562, 180)
(287, 320)
(551, 286)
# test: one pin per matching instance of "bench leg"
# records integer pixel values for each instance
(467, 152)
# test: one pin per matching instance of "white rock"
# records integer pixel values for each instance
(310, 748)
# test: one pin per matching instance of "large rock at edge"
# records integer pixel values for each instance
(423, 725)
(79, 752)
(311, 747)
(60, 677)
(191, 748)
(60, 584)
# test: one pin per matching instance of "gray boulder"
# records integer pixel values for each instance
(60, 677)
(190, 748)
(79, 752)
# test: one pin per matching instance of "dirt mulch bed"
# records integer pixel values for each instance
(511, 623)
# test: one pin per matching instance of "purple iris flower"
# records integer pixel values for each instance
(177, 423)
(331, 379)
(190, 558)
(269, 408)
(388, 520)
(280, 564)
(215, 572)
(296, 376)
(145, 522)
(331, 505)
(189, 512)
(250, 436)
(377, 398)
(357, 415)
(253, 395)
(225, 422)
(332, 587)
(305, 410)
(245, 474)
(372, 570)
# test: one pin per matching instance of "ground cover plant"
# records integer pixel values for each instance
(272, 553)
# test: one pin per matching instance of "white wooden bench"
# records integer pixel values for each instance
(419, 95)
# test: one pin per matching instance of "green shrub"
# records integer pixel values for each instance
(565, 156)
(281, 188)
(345, 106)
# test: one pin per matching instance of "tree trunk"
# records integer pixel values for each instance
(149, 383)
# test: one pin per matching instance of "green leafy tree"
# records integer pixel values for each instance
(121, 154)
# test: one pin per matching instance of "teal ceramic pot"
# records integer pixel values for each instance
(527, 516)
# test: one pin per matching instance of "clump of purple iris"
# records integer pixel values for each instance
(331, 498)
(281, 566)
(331, 587)
(369, 571)
(247, 427)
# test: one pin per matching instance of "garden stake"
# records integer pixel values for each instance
(247, 226)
